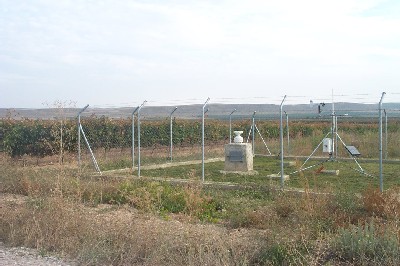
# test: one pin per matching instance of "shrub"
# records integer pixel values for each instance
(367, 244)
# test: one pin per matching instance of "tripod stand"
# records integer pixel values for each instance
(330, 146)
(252, 132)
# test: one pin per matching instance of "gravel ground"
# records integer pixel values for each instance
(27, 256)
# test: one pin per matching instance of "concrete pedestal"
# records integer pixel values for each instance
(238, 157)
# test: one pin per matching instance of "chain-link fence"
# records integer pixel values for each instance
(50, 136)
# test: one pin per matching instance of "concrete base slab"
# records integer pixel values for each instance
(288, 163)
(276, 176)
(330, 172)
(251, 172)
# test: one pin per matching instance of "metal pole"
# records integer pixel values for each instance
(332, 155)
(386, 135)
(96, 166)
(230, 126)
(287, 132)
(281, 140)
(138, 116)
(336, 137)
(61, 160)
(79, 140)
(170, 132)
(79, 134)
(380, 144)
(253, 123)
(202, 140)
(133, 138)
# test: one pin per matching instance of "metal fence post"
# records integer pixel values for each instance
(79, 134)
(333, 130)
(202, 141)
(138, 116)
(79, 140)
(281, 140)
(230, 126)
(170, 132)
(287, 133)
(380, 144)
(336, 137)
(252, 132)
(133, 138)
(386, 134)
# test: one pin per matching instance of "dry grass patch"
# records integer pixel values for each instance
(121, 236)
(115, 221)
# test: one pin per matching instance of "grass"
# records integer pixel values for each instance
(348, 178)
(111, 220)
(120, 159)
(114, 220)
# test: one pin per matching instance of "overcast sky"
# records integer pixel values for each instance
(122, 52)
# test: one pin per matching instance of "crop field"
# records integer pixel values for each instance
(169, 217)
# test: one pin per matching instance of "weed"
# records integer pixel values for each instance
(284, 207)
(374, 202)
(367, 244)
(121, 237)
(386, 205)
(281, 254)
(256, 225)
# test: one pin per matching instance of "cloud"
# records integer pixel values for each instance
(209, 46)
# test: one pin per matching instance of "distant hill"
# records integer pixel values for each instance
(217, 111)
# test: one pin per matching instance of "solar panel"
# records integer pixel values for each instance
(353, 150)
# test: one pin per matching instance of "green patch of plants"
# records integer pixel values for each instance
(178, 172)
(281, 254)
(235, 204)
(348, 179)
(164, 198)
(367, 243)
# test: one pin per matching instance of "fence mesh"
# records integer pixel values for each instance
(50, 135)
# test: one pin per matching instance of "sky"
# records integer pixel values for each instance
(122, 52)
